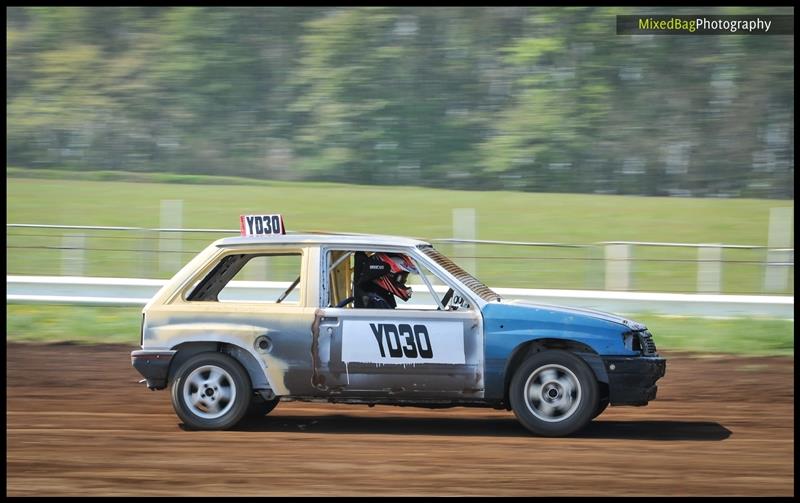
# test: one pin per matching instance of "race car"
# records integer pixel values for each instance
(375, 319)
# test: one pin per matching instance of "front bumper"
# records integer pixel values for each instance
(632, 380)
(153, 365)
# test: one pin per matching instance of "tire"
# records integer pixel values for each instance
(260, 407)
(602, 405)
(227, 393)
(603, 401)
(554, 393)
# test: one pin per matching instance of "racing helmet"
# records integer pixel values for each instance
(394, 281)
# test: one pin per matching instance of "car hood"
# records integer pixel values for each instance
(576, 311)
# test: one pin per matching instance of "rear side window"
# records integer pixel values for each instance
(270, 278)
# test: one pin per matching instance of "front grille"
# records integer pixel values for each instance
(646, 343)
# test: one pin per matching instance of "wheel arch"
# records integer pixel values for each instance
(528, 348)
(186, 350)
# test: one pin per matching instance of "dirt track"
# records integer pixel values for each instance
(79, 424)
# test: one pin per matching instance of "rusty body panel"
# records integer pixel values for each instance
(402, 380)
(287, 363)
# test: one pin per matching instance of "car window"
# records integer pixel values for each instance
(270, 278)
(349, 287)
(422, 297)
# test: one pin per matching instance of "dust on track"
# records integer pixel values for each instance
(79, 424)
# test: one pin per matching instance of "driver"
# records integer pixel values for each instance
(379, 278)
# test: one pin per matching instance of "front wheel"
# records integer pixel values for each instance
(554, 393)
(602, 405)
(211, 391)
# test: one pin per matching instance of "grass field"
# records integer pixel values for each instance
(410, 211)
(89, 325)
(120, 199)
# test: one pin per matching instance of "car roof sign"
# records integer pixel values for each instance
(261, 225)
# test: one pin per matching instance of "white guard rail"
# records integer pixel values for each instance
(136, 292)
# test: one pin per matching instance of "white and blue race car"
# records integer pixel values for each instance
(227, 347)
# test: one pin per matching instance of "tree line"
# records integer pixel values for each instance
(512, 98)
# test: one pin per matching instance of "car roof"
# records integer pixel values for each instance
(322, 239)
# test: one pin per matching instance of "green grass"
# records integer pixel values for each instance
(751, 336)
(93, 325)
(81, 324)
(409, 211)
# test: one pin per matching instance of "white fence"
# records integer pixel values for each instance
(136, 292)
(609, 265)
(610, 268)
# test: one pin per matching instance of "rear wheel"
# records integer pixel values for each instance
(211, 391)
(554, 393)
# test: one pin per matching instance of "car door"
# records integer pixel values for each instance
(408, 353)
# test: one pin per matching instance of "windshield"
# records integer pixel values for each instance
(460, 274)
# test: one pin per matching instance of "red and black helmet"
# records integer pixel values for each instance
(395, 281)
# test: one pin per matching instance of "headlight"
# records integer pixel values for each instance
(641, 342)
(627, 340)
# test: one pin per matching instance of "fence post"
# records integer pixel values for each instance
(169, 248)
(464, 224)
(776, 271)
(146, 253)
(709, 269)
(618, 266)
(74, 246)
